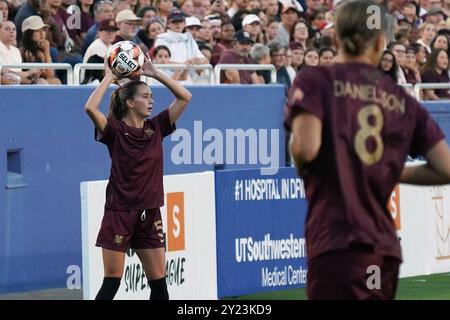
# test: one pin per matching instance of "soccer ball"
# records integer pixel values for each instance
(125, 59)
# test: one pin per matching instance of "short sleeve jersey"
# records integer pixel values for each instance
(369, 126)
(136, 177)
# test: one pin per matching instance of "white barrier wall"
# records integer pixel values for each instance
(422, 216)
(190, 230)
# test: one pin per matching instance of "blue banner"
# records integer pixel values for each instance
(260, 231)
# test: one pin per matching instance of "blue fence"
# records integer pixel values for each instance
(47, 148)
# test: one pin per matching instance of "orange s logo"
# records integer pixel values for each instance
(394, 206)
(175, 221)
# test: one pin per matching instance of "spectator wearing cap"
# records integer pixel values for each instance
(103, 10)
(252, 24)
(183, 47)
(128, 24)
(289, 17)
(215, 22)
(435, 16)
(224, 43)
(193, 26)
(106, 35)
(238, 55)
(260, 54)
(35, 47)
(164, 7)
(30, 8)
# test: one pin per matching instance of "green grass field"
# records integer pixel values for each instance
(432, 287)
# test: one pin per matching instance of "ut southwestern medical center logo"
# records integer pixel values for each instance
(227, 146)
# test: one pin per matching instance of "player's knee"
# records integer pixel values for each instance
(158, 289)
(114, 272)
(108, 289)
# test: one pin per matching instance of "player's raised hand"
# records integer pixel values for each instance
(108, 72)
(149, 69)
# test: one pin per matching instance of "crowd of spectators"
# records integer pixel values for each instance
(289, 34)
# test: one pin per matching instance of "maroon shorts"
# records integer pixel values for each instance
(350, 274)
(136, 229)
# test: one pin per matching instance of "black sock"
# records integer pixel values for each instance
(158, 289)
(109, 289)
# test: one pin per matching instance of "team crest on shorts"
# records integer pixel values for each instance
(118, 240)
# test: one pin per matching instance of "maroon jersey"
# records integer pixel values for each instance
(136, 177)
(370, 125)
(433, 77)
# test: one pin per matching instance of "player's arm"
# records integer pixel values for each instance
(435, 171)
(306, 139)
(93, 103)
(182, 95)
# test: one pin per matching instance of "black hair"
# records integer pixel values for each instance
(393, 71)
(28, 45)
(162, 47)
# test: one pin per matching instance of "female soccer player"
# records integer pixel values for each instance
(135, 189)
(352, 130)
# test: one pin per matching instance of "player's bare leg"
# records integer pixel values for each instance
(154, 263)
(113, 265)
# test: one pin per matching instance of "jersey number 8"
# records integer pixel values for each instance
(368, 130)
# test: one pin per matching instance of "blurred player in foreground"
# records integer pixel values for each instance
(135, 189)
(352, 129)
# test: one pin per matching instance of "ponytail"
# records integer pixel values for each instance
(117, 106)
(358, 24)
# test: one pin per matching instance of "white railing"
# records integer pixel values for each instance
(39, 65)
(220, 67)
(409, 87)
(429, 86)
(79, 67)
(99, 66)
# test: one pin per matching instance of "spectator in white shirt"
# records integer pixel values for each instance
(10, 54)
